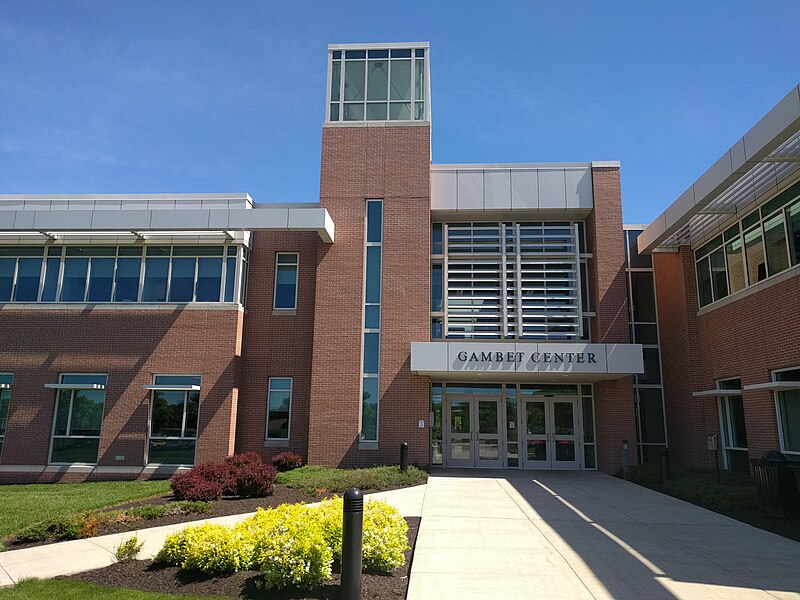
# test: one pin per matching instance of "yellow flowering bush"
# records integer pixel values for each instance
(293, 544)
(385, 537)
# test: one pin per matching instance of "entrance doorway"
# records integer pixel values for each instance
(550, 433)
(526, 426)
(473, 432)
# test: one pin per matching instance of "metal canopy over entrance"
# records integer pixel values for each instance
(527, 426)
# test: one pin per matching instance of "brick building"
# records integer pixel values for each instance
(726, 258)
(489, 315)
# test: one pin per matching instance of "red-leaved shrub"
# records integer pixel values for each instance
(255, 480)
(194, 487)
(287, 460)
(243, 459)
(219, 473)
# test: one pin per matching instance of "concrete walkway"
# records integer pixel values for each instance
(68, 558)
(512, 535)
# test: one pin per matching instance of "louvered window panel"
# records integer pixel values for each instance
(512, 280)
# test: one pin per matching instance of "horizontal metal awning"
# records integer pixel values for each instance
(775, 386)
(74, 386)
(762, 163)
(173, 388)
(55, 217)
(716, 393)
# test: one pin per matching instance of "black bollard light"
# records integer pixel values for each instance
(403, 457)
(626, 458)
(352, 530)
(665, 472)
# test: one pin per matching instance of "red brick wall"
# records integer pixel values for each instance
(613, 400)
(275, 344)
(130, 346)
(392, 163)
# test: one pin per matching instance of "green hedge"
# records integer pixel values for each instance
(293, 544)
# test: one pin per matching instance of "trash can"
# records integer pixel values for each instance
(777, 489)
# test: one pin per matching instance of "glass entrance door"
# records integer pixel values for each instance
(474, 427)
(549, 428)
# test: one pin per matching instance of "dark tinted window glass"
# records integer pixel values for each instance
(373, 294)
(127, 289)
(52, 270)
(436, 288)
(374, 221)
(155, 279)
(209, 279)
(644, 300)
(73, 288)
(637, 261)
(181, 282)
(652, 367)
(230, 279)
(28, 273)
(371, 351)
(651, 416)
(101, 279)
(436, 239)
(286, 286)
(704, 282)
(7, 266)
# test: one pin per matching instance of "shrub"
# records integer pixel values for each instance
(294, 552)
(220, 473)
(243, 459)
(255, 480)
(287, 460)
(193, 487)
(65, 528)
(385, 537)
(329, 515)
(129, 549)
(174, 549)
(217, 549)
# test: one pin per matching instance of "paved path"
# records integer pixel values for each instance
(506, 535)
(67, 558)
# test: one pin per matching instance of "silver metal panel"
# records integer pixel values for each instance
(525, 189)
(497, 190)
(470, 190)
(62, 219)
(121, 220)
(624, 358)
(443, 190)
(579, 188)
(262, 218)
(429, 356)
(552, 189)
(187, 220)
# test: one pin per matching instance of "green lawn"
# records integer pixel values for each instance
(313, 479)
(35, 589)
(23, 505)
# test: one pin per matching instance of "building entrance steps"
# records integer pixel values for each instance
(574, 535)
(76, 556)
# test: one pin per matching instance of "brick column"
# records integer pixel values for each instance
(613, 400)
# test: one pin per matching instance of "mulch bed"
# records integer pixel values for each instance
(150, 577)
(220, 508)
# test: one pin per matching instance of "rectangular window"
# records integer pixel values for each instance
(279, 408)
(775, 244)
(436, 287)
(733, 254)
(174, 412)
(78, 418)
(6, 379)
(754, 252)
(436, 424)
(286, 264)
(734, 430)
(29, 271)
(73, 287)
(372, 311)
(789, 411)
(793, 225)
(156, 277)
(127, 279)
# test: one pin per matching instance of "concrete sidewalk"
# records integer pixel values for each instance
(68, 558)
(583, 535)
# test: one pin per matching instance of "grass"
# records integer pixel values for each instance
(25, 505)
(315, 480)
(735, 492)
(35, 589)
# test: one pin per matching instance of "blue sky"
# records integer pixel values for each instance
(193, 96)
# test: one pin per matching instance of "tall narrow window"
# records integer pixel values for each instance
(279, 408)
(286, 280)
(734, 431)
(6, 379)
(78, 418)
(372, 310)
(173, 419)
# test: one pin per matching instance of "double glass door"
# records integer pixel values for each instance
(473, 432)
(549, 429)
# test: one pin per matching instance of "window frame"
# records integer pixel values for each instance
(183, 437)
(8, 409)
(73, 391)
(296, 266)
(275, 440)
(779, 412)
